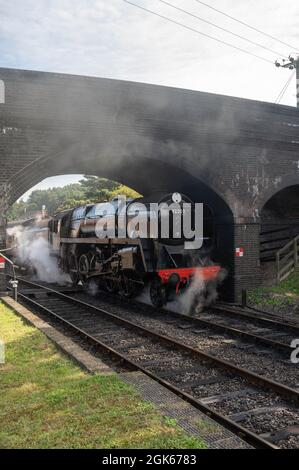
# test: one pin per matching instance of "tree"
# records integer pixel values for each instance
(91, 189)
(98, 189)
(124, 191)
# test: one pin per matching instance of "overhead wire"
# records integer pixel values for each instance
(221, 28)
(284, 88)
(246, 24)
(178, 23)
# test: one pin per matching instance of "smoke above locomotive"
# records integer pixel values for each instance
(126, 245)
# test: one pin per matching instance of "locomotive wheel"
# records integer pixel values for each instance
(110, 285)
(93, 261)
(157, 293)
(128, 287)
(83, 268)
(73, 271)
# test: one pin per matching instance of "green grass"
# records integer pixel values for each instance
(285, 294)
(46, 401)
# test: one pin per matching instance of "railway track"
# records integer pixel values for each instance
(235, 323)
(263, 411)
(255, 314)
(259, 329)
(257, 353)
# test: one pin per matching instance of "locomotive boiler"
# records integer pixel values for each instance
(122, 246)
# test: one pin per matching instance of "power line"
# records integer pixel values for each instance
(220, 27)
(197, 31)
(285, 87)
(245, 24)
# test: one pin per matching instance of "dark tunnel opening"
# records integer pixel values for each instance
(147, 176)
(279, 225)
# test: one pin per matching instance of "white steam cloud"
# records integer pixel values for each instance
(196, 297)
(200, 294)
(33, 252)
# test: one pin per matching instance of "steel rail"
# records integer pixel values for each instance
(251, 337)
(239, 312)
(234, 331)
(250, 437)
(221, 363)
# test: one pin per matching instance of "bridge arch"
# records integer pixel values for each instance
(279, 223)
(228, 151)
(145, 176)
(279, 184)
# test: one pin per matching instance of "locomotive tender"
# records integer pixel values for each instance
(126, 263)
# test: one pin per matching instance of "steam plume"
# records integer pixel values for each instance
(34, 252)
(199, 294)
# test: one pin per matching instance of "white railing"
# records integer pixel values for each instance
(14, 280)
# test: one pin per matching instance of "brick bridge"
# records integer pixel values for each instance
(240, 157)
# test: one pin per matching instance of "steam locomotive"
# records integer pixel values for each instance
(125, 259)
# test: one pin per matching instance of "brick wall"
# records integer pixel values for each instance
(150, 136)
(247, 273)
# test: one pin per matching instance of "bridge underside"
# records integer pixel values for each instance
(146, 176)
(233, 155)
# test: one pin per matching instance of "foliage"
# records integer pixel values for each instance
(98, 189)
(91, 189)
(285, 294)
(124, 191)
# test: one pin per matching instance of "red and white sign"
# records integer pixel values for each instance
(239, 252)
(2, 263)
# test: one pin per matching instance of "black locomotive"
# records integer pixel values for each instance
(124, 260)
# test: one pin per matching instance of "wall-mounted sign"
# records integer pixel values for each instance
(239, 252)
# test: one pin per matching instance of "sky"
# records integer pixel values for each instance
(116, 40)
(54, 181)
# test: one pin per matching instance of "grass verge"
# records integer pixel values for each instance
(282, 296)
(46, 401)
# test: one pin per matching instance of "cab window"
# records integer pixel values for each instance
(78, 213)
(101, 210)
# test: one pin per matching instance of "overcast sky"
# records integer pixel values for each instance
(116, 40)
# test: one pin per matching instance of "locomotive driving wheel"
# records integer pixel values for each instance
(110, 285)
(73, 270)
(83, 268)
(157, 293)
(129, 286)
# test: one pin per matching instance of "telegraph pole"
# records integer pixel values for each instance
(291, 64)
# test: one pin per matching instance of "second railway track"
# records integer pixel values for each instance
(263, 411)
